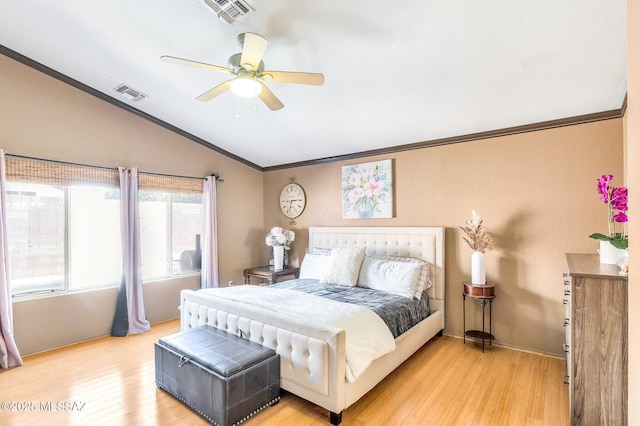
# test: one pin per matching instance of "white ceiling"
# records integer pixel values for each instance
(396, 72)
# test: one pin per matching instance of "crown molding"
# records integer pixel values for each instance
(90, 90)
(545, 125)
(534, 127)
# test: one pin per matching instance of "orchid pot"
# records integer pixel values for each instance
(613, 245)
(610, 254)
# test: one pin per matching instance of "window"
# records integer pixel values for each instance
(36, 237)
(170, 229)
(64, 226)
(62, 237)
(95, 247)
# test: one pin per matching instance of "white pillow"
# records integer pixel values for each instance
(344, 266)
(400, 278)
(314, 266)
(424, 281)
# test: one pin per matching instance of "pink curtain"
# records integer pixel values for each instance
(130, 234)
(9, 355)
(209, 269)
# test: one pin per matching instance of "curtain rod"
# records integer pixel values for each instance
(216, 174)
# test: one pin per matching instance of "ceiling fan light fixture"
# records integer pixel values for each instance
(250, 76)
(246, 87)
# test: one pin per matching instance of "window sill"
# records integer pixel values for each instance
(58, 293)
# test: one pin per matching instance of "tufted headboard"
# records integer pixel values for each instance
(425, 243)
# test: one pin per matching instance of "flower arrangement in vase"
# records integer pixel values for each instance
(480, 242)
(279, 239)
(614, 244)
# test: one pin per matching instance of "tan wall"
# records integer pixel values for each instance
(632, 135)
(42, 117)
(536, 192)
(44, 323)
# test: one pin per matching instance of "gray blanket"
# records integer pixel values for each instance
(399, 313)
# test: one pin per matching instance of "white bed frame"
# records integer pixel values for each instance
(312, 355)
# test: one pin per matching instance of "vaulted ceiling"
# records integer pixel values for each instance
(396, 73)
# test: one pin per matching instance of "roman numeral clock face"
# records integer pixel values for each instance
(292, 200)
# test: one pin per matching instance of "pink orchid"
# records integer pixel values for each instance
(603, 187)
(616, 200)
(620, 217)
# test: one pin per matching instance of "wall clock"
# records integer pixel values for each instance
(292, 200)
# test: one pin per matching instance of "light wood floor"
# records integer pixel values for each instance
(111, 381)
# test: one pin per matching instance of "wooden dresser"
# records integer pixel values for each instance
(595, 296)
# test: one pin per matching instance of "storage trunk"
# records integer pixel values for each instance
(224, 378)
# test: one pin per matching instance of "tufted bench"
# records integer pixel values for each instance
(224, 378)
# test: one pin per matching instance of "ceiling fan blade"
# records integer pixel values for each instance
(189, 62)
(269, 98)
(253, 47)
(315, 79)
(212, 93)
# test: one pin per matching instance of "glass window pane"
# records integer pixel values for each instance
(36, 237)
(187, 226)
(68, 237)
(95, 250)
(154, 235)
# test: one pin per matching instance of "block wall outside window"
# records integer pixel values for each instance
(187, 227)
(68, 237)
(36, 237)
(169, 226)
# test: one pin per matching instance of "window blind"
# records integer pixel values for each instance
(31, 170)
(166, 183)
(22, 169)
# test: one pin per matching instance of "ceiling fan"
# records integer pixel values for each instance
(249, 73)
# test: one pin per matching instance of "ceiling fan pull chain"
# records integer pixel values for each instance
(237, 106)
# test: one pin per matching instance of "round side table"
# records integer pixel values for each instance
(483, 294)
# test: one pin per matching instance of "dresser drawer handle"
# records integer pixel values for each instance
(565, 274)
(566, 379)
(567, 283)
(565, 301)
(567, 292)
(566, 322)
(565, 347)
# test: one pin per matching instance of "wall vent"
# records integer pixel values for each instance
(129, 92)
(230, 11)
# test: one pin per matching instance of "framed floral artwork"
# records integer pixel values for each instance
(367, 190)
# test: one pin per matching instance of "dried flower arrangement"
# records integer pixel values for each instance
(476, 236)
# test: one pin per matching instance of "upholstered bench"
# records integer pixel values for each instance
(224, 378)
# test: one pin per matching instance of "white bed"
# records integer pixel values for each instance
(313, 355)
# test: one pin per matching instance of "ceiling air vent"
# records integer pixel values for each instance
(229, 11)
(129, 92)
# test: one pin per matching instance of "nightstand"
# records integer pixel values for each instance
(483, 294)
(268, 273)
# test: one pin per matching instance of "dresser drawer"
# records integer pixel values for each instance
(566, 300)
(566, 297)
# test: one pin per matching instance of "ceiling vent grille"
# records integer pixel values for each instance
(129, 92)
(229, 11)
